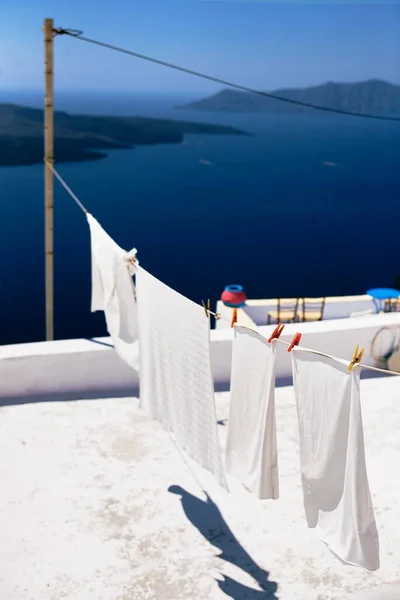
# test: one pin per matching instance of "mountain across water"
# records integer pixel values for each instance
(373, 96)
(85, 137)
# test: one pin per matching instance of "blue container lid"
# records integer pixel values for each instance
(235, 305)
(234, 288)
(383, 293)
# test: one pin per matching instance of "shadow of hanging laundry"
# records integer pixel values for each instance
(238, 591)
(208, 520)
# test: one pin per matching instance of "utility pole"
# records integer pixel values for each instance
(48, 174)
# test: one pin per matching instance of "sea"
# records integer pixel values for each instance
(308, 205)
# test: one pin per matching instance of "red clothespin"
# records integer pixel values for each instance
(277, 332)
(234, 317)
(295, 341)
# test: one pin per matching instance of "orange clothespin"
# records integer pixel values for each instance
(234, 317)
(207, 307)
(277, 332)
(295, 341)
(356, 358)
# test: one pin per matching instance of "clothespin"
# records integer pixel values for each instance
(277, 332)
(207, 308)
(132, 261)
(356, 358)
(234, 317)
(295, 341)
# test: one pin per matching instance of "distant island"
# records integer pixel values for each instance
(81, 137)
(374, 96)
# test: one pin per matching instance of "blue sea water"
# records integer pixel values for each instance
(268, 212)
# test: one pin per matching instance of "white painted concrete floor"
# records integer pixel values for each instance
(87, 511)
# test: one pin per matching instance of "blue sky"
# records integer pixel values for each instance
(253, 42)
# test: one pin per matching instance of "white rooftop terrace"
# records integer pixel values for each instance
(86, 509)
(97, 503)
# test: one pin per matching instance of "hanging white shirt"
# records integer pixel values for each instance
(336, 493)
(251, 451)
(113, 292)
(176, 384)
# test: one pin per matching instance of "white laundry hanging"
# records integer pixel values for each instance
(336, 493)
(176, 384)
(113, 292)
(251, 451)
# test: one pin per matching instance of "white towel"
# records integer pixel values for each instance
(336, 492)
(176, 385)
(113, 292)
(251, 452)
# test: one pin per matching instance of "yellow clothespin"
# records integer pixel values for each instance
(207, 307)
(356, 358)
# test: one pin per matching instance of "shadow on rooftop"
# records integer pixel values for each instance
(224, 386)
(69, 396)
(66, 376)
(100, 343)
(208, 520)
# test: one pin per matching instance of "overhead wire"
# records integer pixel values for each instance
(85, 211)
(78, 34)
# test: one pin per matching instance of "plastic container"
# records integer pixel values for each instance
(233, 296)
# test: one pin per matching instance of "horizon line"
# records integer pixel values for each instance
(142, 92)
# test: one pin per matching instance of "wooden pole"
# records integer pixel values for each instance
(48, 175)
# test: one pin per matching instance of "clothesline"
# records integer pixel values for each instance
(377, 369)
(218, 316)
(66, 186)
(163, 326)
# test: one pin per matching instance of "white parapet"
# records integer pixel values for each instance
(91, 369)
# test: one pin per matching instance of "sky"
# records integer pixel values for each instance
(256, 43)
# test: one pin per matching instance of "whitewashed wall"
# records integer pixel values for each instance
(90, 369)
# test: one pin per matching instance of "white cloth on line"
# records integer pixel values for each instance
(176, 384)
(336, 492)
(251, 451)
(113, 292)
